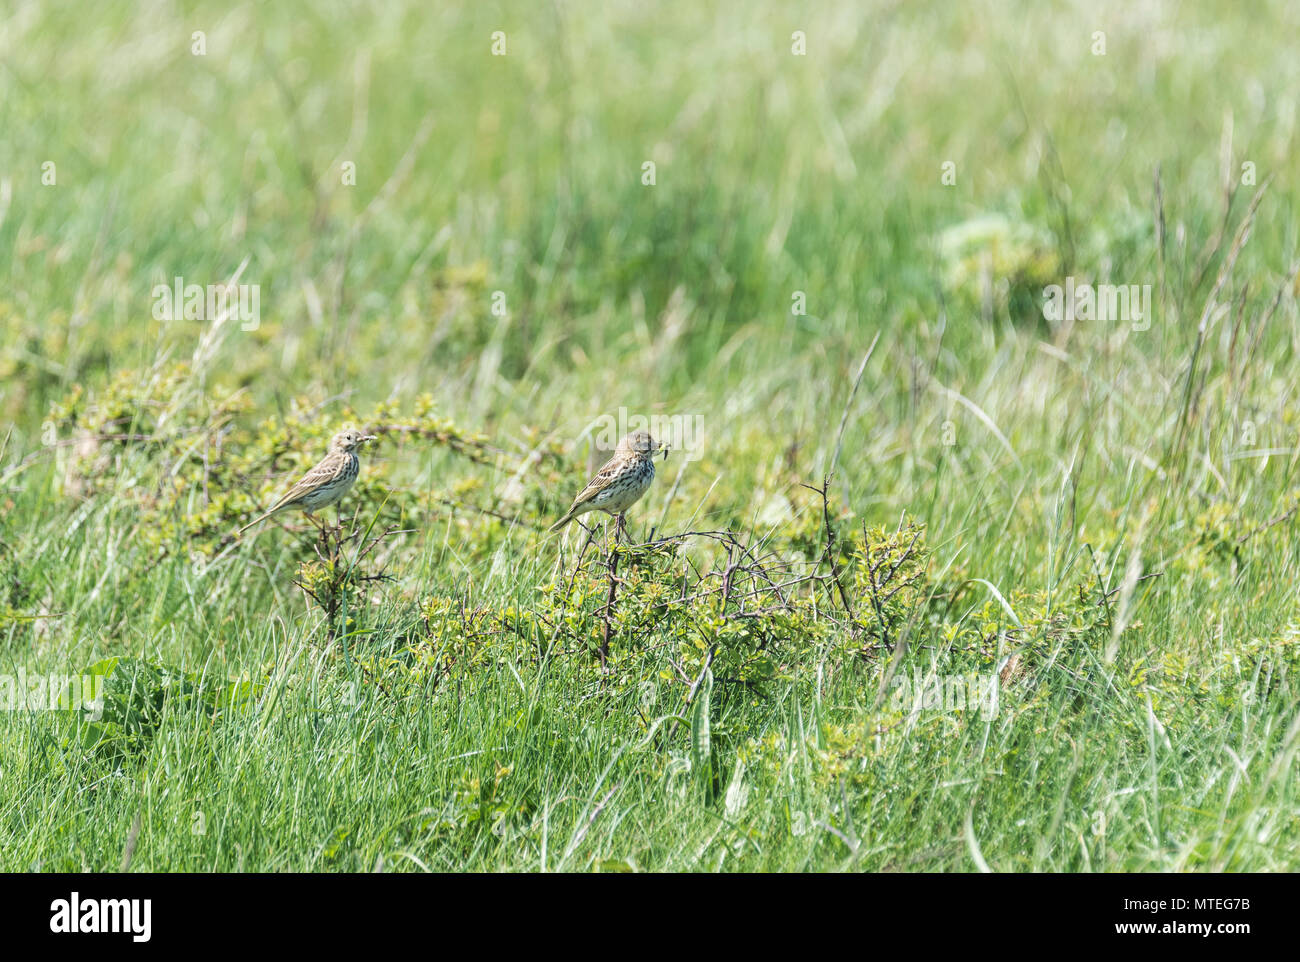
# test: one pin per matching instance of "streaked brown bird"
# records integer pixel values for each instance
(326, 483)
(621, 482)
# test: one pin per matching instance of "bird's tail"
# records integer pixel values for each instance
(256, 521)
(569, 516)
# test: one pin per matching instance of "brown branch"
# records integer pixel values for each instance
(612, 564)
(828, 553)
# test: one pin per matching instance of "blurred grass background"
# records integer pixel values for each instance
(1022, 445)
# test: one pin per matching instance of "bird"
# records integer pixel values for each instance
(326, 483)
(621, 482)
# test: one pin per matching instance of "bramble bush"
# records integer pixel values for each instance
(672, 634)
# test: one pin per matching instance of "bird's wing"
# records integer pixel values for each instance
(612, 469)
(326, 471)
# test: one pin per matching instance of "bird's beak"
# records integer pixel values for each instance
(370, 437)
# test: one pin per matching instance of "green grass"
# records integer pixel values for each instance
(1111, 506)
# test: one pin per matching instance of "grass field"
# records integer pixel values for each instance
(1041, 614)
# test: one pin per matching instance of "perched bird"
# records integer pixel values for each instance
(621, 482)
(326, 483)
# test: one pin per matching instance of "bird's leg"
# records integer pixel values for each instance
(331, 537)
(349, 523)
(318, 525)
(619, 521)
